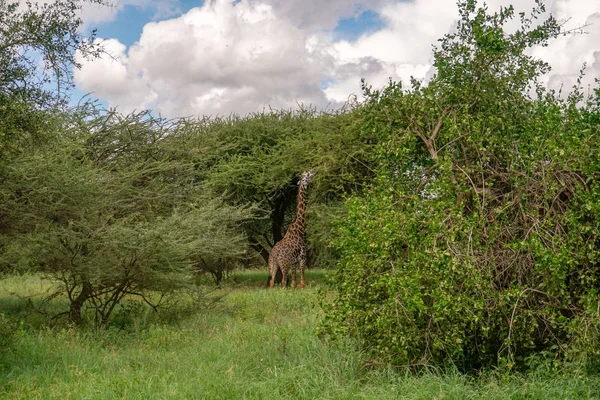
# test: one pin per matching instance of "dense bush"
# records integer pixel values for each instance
(478, 242)
(105, 212)
(256, 160)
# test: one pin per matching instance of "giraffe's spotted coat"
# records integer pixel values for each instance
(291, 250)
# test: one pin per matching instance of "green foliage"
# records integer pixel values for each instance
(106, 213)
(478, 243)
(256, 160)
(262, 347)
(38, 44)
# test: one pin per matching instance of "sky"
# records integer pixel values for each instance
(218, 57)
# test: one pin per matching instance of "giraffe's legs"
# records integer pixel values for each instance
(284, 272)
(294, 284)
(273, 272)
(302, 266)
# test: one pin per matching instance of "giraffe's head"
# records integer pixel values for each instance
(306, 177)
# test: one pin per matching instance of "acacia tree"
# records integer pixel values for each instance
(29, 33)
(256, 160)
(37, 57)
(478, 243)
(106, 213)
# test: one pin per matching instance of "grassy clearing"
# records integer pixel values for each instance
(257, 344)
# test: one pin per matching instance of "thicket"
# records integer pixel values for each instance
(478, 243)
(257, 159)
(105, 213)
(111, 207)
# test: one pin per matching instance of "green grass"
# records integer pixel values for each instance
(256, 344)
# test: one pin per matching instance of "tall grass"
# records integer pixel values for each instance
(257, 344)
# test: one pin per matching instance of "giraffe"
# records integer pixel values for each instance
(292, 248)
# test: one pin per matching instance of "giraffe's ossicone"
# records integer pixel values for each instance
(291, 250)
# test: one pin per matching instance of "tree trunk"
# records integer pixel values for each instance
(218, 275)
(277, 217)
(260, 249)
(77, 303)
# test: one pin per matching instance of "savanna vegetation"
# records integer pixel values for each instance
(253, 344)
(458, 221)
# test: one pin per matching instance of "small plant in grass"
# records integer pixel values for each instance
(7, 332)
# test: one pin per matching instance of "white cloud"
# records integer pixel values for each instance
(216, 59)
(319, 14)
(93, 14)
(568, 53)
(401, 49)
(111, 78)
(245, 56)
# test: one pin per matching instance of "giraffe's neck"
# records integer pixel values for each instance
(298, 227)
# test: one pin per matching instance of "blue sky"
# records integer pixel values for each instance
(128, 25)
(129, 22)
(354, 27)
(217, 57)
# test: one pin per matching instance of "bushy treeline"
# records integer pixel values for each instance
(109, 206)
(478, 242)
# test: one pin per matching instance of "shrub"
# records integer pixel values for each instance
(108, 214)
(478, 243)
